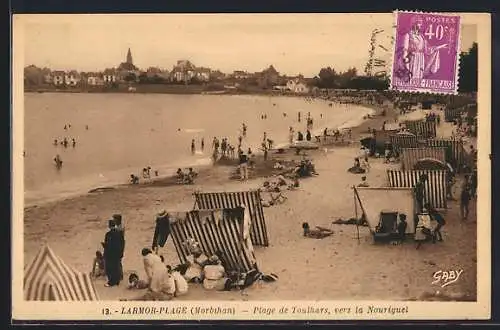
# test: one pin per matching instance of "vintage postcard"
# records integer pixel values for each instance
(251, 166)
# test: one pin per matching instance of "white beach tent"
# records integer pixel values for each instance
(48, 278)
(373, 201)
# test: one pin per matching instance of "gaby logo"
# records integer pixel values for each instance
(445, 278)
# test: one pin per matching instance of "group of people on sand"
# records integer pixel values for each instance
(146, 175)
(163, 281)
(186, 177)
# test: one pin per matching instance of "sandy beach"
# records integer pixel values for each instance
(340, 267)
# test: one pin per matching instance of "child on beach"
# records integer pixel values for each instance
(363, 182)
(98, 269)
(136, 283)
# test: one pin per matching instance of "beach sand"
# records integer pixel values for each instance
(339, 267)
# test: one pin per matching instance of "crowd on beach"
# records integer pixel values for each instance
(163, 281)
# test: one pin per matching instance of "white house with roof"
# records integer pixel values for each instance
(95, 79)
(297, 86)
(203, 74)
(58, 78)
(72, 78)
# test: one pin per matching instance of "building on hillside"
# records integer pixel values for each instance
(72, 78)
(95, 79)
(217, 75)
(110, 76)
(203, 74)
(183, 71)
(152, 72)
(58, 78)
(126, 71)
(240, 75)
(297, 86)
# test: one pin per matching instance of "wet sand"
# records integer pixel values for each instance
(338, 267)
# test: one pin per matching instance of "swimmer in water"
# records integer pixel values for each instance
(87, 127)
(58, 161)
(55, 142)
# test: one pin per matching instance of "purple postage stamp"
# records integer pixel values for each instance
(426, 53)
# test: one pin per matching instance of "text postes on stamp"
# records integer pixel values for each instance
(426, 52)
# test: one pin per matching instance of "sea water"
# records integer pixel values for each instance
(127, 132)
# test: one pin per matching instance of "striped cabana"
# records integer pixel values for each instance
(400, 141)
(225, 231)
(434, 187)
(450, 114)
(384, 136)
(410, 156)
(422, 128)
(48, 278)
(454, 151)
(251, 199)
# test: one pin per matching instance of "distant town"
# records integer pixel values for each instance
(186, 77)
(128, 77)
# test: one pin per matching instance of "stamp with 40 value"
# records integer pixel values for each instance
(426, 53)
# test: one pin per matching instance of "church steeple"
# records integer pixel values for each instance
(129, 57)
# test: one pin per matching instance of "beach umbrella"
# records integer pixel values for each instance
(48, 278)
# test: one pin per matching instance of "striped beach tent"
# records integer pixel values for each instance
(454, 151)
(223, 231)
(251, 199)
(450, 114)
(400, 141)
(384, 136)
(48, 278)
(422, 128)
(434, 187)
(410, 156)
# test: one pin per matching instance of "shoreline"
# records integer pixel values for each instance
(372, 110)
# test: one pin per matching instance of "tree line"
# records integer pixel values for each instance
(328, 77)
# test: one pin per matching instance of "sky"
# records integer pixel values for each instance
(293, 43)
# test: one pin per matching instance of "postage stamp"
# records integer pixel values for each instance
(426, 53)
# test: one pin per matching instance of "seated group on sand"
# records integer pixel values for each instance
(275, 189)
(186, 178)
(164, 282)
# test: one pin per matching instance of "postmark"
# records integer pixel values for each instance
(426, 53)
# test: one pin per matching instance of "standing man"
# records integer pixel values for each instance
(117, 218)
(419, 192)
(112, 254)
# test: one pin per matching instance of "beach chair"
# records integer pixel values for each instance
(386, 229)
